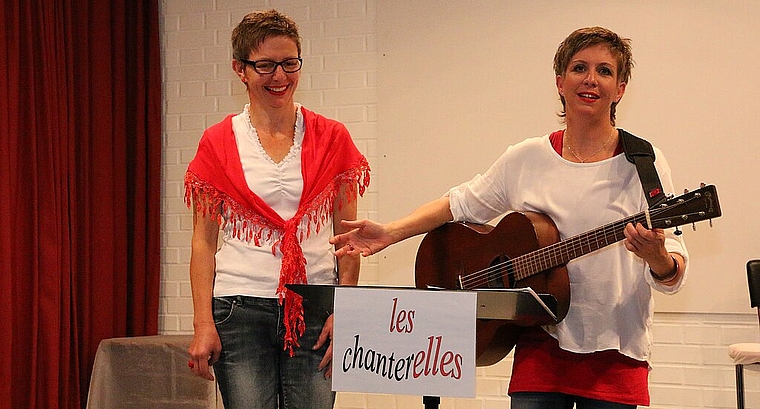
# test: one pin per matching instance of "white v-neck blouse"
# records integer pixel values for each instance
(245, 269)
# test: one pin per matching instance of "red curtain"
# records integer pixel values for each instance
(80, 141)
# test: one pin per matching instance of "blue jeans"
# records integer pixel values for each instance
(547, 400)
(254, 371)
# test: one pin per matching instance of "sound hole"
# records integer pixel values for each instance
(499, 271)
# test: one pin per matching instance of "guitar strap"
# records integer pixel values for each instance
(640, 152)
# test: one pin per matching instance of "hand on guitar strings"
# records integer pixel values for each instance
(365, 238)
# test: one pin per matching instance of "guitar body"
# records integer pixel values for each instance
(458, 249)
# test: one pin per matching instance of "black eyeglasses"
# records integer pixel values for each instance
(290, 65)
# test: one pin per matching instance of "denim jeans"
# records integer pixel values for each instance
(254, 371)
(547, 400)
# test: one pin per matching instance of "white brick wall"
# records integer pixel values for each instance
(691, 367)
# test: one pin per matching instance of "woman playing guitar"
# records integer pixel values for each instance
(577, 177)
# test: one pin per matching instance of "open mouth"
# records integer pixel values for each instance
(277, 90)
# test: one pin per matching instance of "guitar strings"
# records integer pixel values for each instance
(519, 267)
(532, 257)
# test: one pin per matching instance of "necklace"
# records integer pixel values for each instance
(572, 152)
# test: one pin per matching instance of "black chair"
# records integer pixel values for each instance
(747, 354)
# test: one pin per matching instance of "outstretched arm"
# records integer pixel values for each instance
(366, 237)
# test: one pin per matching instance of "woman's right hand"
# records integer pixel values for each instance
(364, 237)
(204, 350)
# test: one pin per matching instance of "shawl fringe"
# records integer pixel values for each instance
(252, 227)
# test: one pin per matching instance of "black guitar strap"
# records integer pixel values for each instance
(640, 152)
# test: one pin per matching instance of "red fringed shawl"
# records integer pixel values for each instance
(216, 184)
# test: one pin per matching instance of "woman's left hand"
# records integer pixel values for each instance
(647, 244)
(326, 336)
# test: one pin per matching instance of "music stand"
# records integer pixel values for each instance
(520, 306)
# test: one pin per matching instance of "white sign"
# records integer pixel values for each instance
(404, 341)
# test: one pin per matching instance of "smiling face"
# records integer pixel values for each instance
(591, 84)
(275, 90)
(588, 38)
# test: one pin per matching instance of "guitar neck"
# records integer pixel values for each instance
(562, 252)
(691, 207)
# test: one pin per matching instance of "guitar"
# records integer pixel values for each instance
(524, 250)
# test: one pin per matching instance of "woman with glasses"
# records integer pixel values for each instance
(598, 356)
(272, 178)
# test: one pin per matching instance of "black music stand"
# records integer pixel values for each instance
(521, 306)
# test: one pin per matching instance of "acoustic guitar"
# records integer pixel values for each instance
(524, 250)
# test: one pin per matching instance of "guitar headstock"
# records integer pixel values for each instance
(691, 207)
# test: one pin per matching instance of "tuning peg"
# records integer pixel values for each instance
(702, 184)
(710, 221)
(694, 227)
(678, 232)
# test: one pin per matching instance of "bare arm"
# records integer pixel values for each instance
(205, 347)
(348, 267)
(348, 274)
(366, 237)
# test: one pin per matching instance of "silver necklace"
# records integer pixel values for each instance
(572, 152)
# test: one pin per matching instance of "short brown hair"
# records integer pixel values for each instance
(590, 36)
(257, 27)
